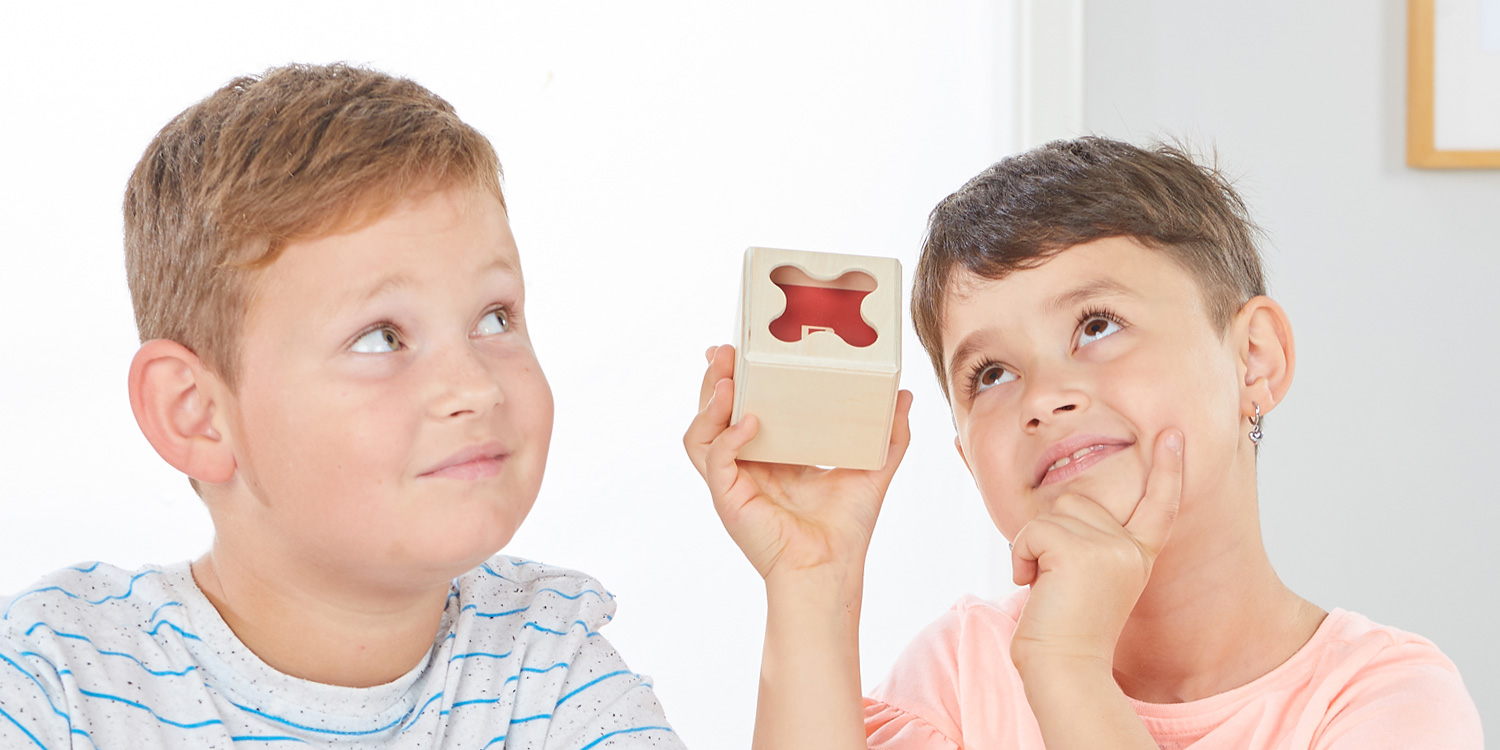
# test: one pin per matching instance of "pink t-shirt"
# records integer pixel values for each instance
(1355, 684)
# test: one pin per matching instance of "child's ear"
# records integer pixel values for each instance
(1268, 355)
(173, 396)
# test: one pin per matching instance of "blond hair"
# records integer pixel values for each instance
(297, 153)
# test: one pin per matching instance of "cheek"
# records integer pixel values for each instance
(538, 404)
(1001, 483)
(532, 408)
(1201, 398)
(328, 442)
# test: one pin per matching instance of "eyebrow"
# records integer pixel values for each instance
(966, 349)
(1088, 290)
(398, 281)
(386, 285)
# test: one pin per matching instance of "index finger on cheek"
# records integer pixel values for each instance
(1152, 520)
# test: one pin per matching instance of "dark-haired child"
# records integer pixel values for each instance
(1097, 316)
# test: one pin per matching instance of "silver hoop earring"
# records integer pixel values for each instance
(1255, 433)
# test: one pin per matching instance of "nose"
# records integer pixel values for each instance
(465, 383)
(1050, 396)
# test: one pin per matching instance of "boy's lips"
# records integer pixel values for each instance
(478, 461)
(1075, 455)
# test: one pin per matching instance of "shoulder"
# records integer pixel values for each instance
(967, 645)
(539, 625)
(504, 575)
(535, 596)
(91, 622)
(1360, 651)
(1381, 681)
(971, 625)
(520, 571)
(88, 596)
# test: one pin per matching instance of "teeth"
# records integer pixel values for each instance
(1080, 453)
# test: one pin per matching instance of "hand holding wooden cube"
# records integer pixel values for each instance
(818, 360)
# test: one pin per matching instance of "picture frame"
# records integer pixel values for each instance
(1453, 84)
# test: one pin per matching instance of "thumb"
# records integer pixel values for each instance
(1152, 520)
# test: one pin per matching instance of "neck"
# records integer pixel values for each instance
(305, 625)
(1214, 616)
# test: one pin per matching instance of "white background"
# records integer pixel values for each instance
(645, 145)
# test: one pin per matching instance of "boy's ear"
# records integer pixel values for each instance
(1268, 355)
(173, 396)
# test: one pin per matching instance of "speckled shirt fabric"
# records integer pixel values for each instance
(97, 657)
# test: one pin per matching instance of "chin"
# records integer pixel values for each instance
(1116, 495)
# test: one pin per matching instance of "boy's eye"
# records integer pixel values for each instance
(1097, 327)
(990, 376)
(493, 322)
(379, 341)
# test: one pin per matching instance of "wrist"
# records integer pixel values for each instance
(1054, 682)
(1038, 662)
(809, 672)
(822, 588)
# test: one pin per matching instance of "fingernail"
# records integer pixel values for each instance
(709, 355)
(1174, 442)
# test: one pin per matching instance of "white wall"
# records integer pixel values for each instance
(645, 145)
(1378, 485)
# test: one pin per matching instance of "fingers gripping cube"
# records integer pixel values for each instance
(819, 356)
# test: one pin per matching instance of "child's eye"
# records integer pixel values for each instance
(493, 322)
(382, 340)
(1097, 326)
(989, 376)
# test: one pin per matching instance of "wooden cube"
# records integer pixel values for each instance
(819, 356)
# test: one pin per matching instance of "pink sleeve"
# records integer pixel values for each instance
(916, 706)
(890, 728)
(1411, 696)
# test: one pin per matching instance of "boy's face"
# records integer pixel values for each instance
(1062, 377)
(392, 421)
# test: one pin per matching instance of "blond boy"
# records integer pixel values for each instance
(336, 353)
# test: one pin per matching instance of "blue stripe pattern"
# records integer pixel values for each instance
(320, 730)
(587, 633)
(147, 709)
(43, 690)
(604, 737)
(173, 626)
(95, 602)
(104, 652)
(512, 698)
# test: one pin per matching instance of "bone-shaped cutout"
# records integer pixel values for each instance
(813, 305)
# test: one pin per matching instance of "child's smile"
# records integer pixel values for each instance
(1063, 376)
(392, 413)
(1075, 455)
(480, 461)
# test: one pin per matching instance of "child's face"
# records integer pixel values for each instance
(392, 421)
(1083, 361)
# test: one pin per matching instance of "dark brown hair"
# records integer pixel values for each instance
(1027, 208)
(297, 153)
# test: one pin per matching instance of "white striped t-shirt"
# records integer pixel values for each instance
(97, 657)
